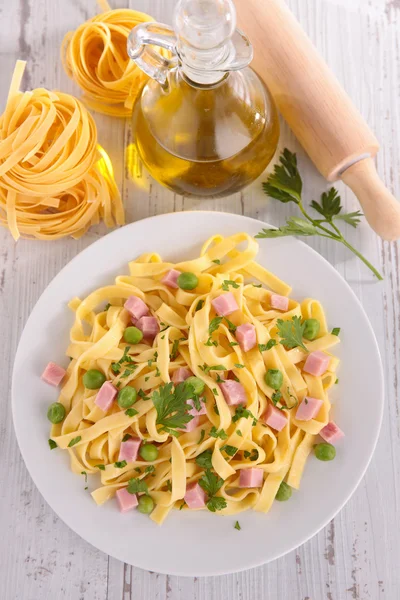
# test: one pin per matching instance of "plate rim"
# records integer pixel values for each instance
(254, 564)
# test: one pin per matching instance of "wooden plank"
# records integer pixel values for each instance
(356, 556)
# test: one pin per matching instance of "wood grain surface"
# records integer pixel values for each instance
(358, 555)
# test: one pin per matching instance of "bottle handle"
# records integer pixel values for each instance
(153, 63)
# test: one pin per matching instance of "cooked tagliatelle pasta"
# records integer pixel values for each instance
(195, 385)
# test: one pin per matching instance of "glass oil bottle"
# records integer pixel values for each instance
(205, 124)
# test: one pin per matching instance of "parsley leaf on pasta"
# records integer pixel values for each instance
(171, 406)
(211, 484)
(136, 486)
(291, 333)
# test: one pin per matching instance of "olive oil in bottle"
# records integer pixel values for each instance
(205, 124)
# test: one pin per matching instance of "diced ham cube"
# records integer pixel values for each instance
(181, 375)
(233, 392)
(191, 426)
(105, 396)
(126, 500)
(252, 477)
(148, 326)
(275, 418)
(331, 433)
(279, 302)
(246, 336)
(225, 304)
(308, 409)
(136, 307)
(193, 411)
(317, 363)
(53, 374)
(129, 450)
(171, 279)
(195, 496)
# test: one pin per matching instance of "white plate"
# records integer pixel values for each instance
(202, 543)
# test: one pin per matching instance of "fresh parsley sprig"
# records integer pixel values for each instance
(285, 185)
(211, 484)
(291, 333)
(171, 406)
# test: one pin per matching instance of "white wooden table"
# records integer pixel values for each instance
(358, 555)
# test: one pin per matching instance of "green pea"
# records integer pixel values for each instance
(133, 335)
(93, 379)
(311, 329)
(145, 504)
(274, 378)
(126, 397)
(197, 384)
(325, 451)
(56, 412)
(284, 492)
(187, 281)
(148, 452)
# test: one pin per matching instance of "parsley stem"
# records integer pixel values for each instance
(339, 238)
(317, 224)
(361, 257)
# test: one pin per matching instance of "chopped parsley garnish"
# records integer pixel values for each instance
(150, 469)
(138, 469)
(174, 351)
(211, 484)
(131, 412)
(211, 342)
(215, 391)
(158, 374)
(74, 441)
(171, 406)
(206, 369)
(291, 333)
(240, 434)
(267, 346)
(52, 444)
(203, 460)
(142, 395)
(335, 331)
(168, 485)
(128, 371)
(182, 505)
(120, 464)
(85, 474)
(200, 305)
(276, 397)
(233, 344)
(101, 467)
(202, 434)
(219, 379)
(337, 381)
(136, 486)
(107, 306)
(230, 450)
(214, 324)
(125, 360)
(225, 285)
(237, 526)
(258, 285)
(253, 455)
(216, 410)
(218, 434)
(239, 366)
(242, 412)
(126, 437)
(216, 261)
(232, 328)
(147, 378)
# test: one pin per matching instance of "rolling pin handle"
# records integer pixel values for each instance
(381, 209)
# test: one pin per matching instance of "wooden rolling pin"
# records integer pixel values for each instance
(317, 109)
